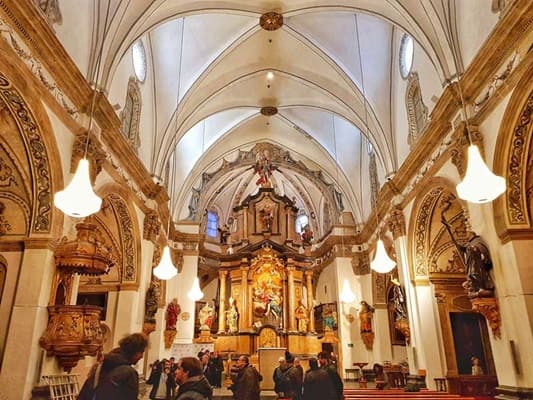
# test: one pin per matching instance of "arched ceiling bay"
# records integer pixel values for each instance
(208, 63)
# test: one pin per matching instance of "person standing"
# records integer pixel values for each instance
(115, 378)
(335, 379)
(317, 383)
(246, 384)
(215, 368)
(191, 381)
(279, 375)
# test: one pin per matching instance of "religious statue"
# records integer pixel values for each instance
(267, 218)
(398, 298)
(476, 366)
(329, 318)
(173, 310)
(477, 262)
(224, 233)
(302, 316)
(150, 304)
(206, 316)
(365, 317)
(307, 234)
(232, 317)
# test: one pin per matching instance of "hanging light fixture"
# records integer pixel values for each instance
(346, 296)
(78, 199)
(381, 263)
(166, 270)
(479, 184)
(195, 293)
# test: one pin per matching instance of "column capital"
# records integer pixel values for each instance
(396, 222)
(308, 273)
(223, 273)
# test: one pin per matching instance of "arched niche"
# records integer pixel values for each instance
(27, 153)
(119, 229)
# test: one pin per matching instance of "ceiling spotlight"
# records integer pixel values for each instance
(270, 75)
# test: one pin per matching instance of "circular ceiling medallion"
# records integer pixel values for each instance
(271, 21)
(269, 111)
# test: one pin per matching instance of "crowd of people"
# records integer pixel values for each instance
(320, 381)
(193, 378)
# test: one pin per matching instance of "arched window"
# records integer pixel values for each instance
(417, 112)
(131, 115)
(139, 60)
(212, 224)
(407, 52)
(301, 220)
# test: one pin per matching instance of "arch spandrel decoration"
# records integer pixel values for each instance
(433, 251)
(36, 175)
(116, 226)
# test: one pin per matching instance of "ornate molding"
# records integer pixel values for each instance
(498, 80)
(269, 111)
(36, 68)
(421, 230)
(271, 21)
(460, 142)
(515, 194)
(92, 150)
(151, 226)
(38, 157)
(488, 307)
(396, 222)
(127, 239)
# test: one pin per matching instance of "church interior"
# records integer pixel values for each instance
(251, 177)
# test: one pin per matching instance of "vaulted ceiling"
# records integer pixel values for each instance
(207, 66)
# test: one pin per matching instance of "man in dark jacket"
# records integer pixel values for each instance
(115, 378)
(193, 384)
(317, 383)
(323, 360)
(246, 383)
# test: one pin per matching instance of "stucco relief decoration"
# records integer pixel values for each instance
(271, 21)
(497, 81)
(51, 11)
(379, 287)
(92, 150)
(396, 222)
(488, 307)
(151, 226)
(127, 238)
(5, 227)
(7, 178)
(39, 161)
(279, 158)
(459, 146)
(421, 231)
(17, 44)
(516, 201)
(361, 263)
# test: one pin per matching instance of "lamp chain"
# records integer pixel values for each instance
(97, 75)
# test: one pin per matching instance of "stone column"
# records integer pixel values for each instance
(292, 299)
(222, 276)
(310, 300)
(29, 317)
(245, 307)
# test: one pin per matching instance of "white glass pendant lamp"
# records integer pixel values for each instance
(382, 262)
(165, 270)
(195, 293)
(78, 198)
(479, 185)
(346, 296)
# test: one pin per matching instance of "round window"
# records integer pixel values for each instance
(139, 60)
(406, 55)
